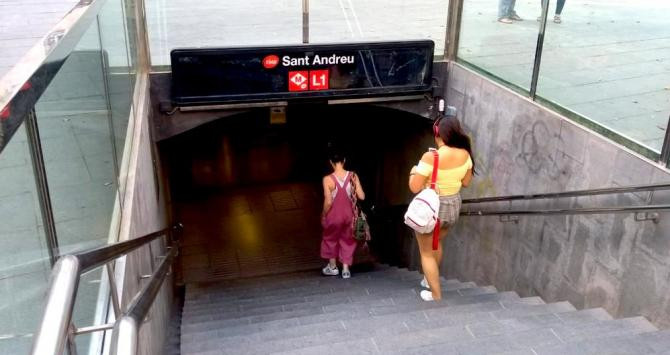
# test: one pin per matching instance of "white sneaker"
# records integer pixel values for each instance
(424, 283)
(346, 274)
(328, 271)
(426, 295)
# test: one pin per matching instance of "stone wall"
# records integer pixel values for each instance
(145, 199)
(609, 261)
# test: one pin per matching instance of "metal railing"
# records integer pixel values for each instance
(28, 79)
(573, 210)
(56, 328)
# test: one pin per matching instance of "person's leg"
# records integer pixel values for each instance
(512, 13)
(429, 263)
(347, 248)
(504, 8)
(329, 250)
(559, 7)
(439, 253)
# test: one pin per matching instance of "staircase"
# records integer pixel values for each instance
(379, 312)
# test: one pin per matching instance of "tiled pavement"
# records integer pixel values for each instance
(23, 23)
(609, 60)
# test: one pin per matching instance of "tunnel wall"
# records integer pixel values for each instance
(608, 261)
(145, 201)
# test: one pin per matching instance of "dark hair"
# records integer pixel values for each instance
(452, 134)
(335, 155)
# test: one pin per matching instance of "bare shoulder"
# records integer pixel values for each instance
(428, 157)
(459, 155)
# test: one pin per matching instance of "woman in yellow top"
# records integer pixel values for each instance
(455, 170)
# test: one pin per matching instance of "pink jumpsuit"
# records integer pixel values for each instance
(338, 235)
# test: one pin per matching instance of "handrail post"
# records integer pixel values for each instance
(453, 29)
(124, 336)
(305, 21)
(538, 50)
(665, 150)
(55, 326)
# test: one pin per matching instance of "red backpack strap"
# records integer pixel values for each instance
(436, 162)
(433, 185)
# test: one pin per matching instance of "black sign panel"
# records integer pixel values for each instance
(212, 75)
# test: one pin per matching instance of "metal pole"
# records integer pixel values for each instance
(305, 21)
(113, 289)
(125, 336)
(453, 29)
(108, 99)
(538, 49)
(42, 185)
(144, 50)
(56, 321)
(665, 150)
(71, 343)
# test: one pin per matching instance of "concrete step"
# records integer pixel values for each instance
(360, 297)
(392, 305)
(292, 295)
(431, 333)
(463, 313)
(314, 286)
(355, 347)
(623, 326)
(622, 336)
(379, 312)
(293, 319)
(295, 296)
(658, 341)
(279, 281)
(381, 327)
(205, 296)
(547, 338)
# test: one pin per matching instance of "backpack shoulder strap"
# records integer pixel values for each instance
(436, 162)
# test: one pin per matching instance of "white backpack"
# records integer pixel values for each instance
(422, 213)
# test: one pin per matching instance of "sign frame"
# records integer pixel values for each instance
(182, 97)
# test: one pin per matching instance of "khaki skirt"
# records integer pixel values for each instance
(450, 207)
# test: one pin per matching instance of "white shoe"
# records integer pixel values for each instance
(424, 283)
(346, 274)
(426, 295)
(328, 271)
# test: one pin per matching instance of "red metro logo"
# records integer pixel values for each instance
(270, 61)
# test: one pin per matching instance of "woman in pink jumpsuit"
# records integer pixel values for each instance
(337, 217)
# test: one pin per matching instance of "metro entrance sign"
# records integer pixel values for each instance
(297, 80)
(256, 74)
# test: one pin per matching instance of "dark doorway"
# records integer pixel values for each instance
(249, 192)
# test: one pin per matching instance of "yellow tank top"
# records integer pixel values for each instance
(448, 180)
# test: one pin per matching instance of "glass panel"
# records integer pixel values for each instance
(89, 301)
(129, 7)
(186, 23)
(74, 127)
(379, 20)
(73, 117)
(609, 62)
(118, 72)
(491, 39)
(24, 257)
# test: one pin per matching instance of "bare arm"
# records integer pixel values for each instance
(360, 194)
(327, 197)
(467, 178)
(417, 182)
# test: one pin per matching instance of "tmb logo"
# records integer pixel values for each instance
(297, 80)
(270, 61)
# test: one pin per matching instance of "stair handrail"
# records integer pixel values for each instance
(574, 193)
(127, 327)
(574, 210)
(56, 325)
